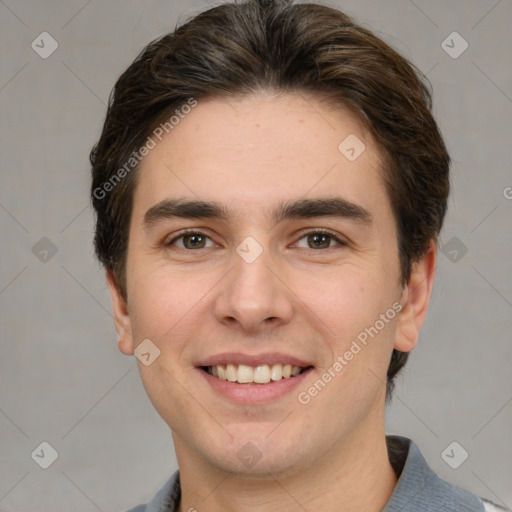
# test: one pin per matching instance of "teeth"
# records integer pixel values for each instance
(261, 374)
(245, 374)
(231, 373)
(276, 372)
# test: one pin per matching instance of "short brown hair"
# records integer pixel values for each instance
(236, 49)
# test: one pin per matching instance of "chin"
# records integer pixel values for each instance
(266, 464)
(253, 455)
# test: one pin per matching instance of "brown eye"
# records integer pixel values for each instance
(193, 241)
(189, 241)
(319, 241)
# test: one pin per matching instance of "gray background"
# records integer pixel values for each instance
(62, 379)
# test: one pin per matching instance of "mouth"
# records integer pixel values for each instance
(254, 375)
(254, 379)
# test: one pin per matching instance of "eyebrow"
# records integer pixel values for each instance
(297, 209)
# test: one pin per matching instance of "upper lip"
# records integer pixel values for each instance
(253, 360)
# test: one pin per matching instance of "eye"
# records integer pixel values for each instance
(190, 240)
(321, 239)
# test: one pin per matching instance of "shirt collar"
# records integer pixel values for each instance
(419, 489)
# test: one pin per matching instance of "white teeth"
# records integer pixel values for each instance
(221, 372)
(231, 372)
(244, 374)
(261, 374)
(295, 370)
(277, 372)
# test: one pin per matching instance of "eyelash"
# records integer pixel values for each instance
(303, 235)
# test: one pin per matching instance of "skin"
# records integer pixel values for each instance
(254, 153)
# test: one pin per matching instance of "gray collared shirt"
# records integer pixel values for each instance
(418, 489)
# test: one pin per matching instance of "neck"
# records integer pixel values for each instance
(354, 475)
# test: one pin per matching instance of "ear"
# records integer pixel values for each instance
(415, 300)
(121, 316)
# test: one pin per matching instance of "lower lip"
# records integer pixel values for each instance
(254, 393)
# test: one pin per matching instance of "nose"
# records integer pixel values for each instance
(255, 296)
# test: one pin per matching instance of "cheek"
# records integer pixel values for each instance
(348, 296)
(171, 306)
(157, 301)
(357, 320)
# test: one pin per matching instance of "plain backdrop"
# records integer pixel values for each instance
(62, 379)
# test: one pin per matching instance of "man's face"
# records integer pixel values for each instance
(261, 288)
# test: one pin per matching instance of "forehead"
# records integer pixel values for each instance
(260, 150)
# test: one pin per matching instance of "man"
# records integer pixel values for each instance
(269, 188)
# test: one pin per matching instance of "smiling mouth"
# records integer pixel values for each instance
(261, 374)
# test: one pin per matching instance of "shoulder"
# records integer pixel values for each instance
(419, 489)
(166, 499)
